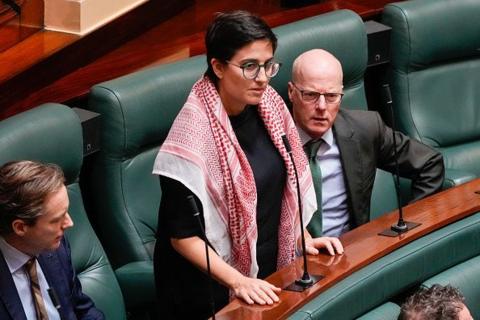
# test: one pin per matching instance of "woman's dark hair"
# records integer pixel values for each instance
(231, 31)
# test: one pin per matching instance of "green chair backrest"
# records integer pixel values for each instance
(137, 111)
(340, 32)
(52, 133)
(435, 75)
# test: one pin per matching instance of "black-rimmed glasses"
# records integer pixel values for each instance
(313, 96)
(251, 69)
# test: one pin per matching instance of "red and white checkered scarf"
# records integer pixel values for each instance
(203, 153)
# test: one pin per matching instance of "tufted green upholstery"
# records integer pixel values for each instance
(465, 277)
(53, 133)
(340, 32)
(387, 311)
(435, 76)
(398, 271)
(137, 112)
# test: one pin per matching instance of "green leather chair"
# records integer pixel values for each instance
(137, 111)
(52, 133)
(435, 78)
(342, 33)
(465, 277)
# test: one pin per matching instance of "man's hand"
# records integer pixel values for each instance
(255, 291)
(332, 245)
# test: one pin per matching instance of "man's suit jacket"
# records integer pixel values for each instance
(365, 144)
(58, 270)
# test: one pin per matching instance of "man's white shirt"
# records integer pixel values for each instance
(16, 261)
(335, 215)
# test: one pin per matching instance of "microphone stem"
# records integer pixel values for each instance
(397, 172)
(306, 275)
(209, 272)
(196, 213)
(401, 223)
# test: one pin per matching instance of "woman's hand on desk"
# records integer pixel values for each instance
(250, 290)
(331, 244)
(253, 290)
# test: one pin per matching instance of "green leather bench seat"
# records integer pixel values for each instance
(387, 311)
(52, 133)
(465, 277)
(435, 76)
(400, 270)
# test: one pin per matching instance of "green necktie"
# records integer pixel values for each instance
(311, 149)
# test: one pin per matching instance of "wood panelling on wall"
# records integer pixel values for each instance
(17, 26)
(67, 74)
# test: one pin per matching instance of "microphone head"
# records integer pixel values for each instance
(387, 94)
(193, 205)
(286, 143)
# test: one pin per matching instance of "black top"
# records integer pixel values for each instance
(183, 289)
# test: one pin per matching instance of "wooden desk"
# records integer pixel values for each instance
(362, 247)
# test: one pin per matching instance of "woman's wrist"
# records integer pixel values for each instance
(234, 279)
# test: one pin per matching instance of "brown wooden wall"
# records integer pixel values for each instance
(58, 67)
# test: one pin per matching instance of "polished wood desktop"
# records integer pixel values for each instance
(362, 246)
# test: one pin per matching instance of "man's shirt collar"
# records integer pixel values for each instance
(15, 258)
(327, 136)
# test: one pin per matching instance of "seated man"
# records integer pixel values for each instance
(37, 280)
(345, 147)
(435, 303)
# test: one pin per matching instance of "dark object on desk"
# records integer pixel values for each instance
(90, 129)
(378, 36)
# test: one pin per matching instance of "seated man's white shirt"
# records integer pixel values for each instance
(16, 261)
(335, 216)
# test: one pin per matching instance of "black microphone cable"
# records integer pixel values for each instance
(196, 213)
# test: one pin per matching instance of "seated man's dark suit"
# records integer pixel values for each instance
(58, 270)
(365, 144)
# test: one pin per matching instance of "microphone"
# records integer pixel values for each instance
(307, 280)
(196, 213)
(401, 226)
(55, 300)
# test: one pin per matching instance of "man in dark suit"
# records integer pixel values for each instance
(37, 280)
(345, 147)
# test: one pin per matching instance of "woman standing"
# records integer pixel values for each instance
(225, 148)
